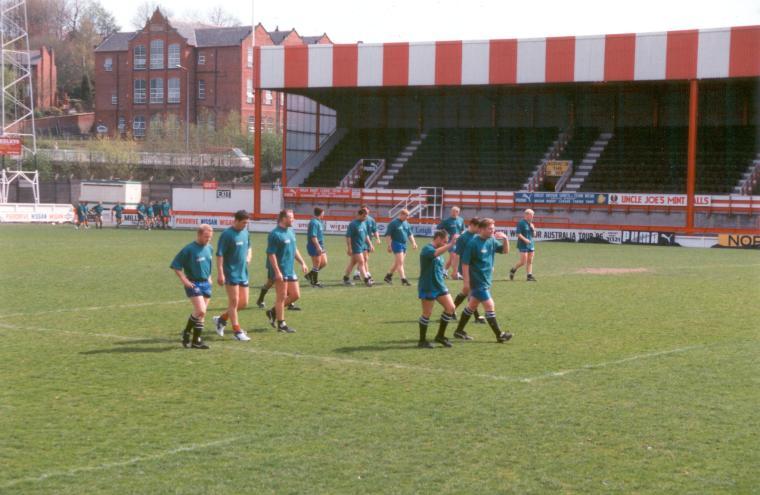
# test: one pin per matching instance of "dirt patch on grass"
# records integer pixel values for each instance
(611, 271)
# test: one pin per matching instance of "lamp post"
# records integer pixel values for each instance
(187, 107)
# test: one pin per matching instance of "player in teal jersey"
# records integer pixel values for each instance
(81, 209)
(166, 213)
(397, 233)
(315, 246)
(374, 236)
(525, 232)
(97, 211)
(117, 212)
(472, 231)
(193, 268)
(431, 288)
(357, 241)
(233, 254)
(141, 215)
(477, 268)
(281, 254)
(149, 217)
(454, 225)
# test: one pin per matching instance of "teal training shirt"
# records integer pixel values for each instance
(371, 226)
(282, 243)
(357, 232)
(399, 231)
(523, 227)
(98, 209)
(452, 225)
(462, 244)
(233, 247)
(117, 210)
(195, 261)
(479, 254)
(140, 208)
(431, 272)
(166, 208)
(316, 229)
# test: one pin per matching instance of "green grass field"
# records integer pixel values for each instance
(643, 382)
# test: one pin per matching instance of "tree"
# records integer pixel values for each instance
(145, 10)
(85, 90)
(217, 16)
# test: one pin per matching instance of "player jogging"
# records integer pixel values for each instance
(98, 213)
(374, 236)
(166, 212)
(472, 230)
(193, 267)
(477, 269)
(315, 246)
(149, 217)
(396, 235)
(281, 251)
(141, 215)
(431, 288)
(454, 225)
(357, 241)
(118, 211)
(233, 254)
(525, 232)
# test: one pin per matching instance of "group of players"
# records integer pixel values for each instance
(149, 216)
(471, 258)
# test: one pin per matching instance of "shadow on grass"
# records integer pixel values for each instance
(391, 345)
(131, 350)
(157, 340)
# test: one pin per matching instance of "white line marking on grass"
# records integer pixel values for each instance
(391, 365)
(92, 308)
(128, 462)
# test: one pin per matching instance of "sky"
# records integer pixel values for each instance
(348, 21)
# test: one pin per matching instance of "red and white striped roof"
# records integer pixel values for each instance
(673, 55)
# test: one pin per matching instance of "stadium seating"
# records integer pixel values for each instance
(578, 145)
(476, 158)
(357, 144)
(646, 159)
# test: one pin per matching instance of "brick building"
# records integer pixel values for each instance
(138, 81)
(44, 77)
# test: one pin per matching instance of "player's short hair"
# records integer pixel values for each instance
(204, 227)
(474, 221)
(404, 212)
(440, 234)
(455, 208)
(530, 212)
(365, 207)
(485, 222)
(283, 214)
(362, 211)
(241, 215)
(318, 211)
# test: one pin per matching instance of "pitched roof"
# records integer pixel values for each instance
(117, 42)
(312, 40)
(228, 36)
(279, 36)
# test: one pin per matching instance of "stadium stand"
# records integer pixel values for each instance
(649, 159)
(476, 158)
(577, 147)
(357, 144)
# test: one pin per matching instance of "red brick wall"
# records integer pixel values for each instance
(44, 77)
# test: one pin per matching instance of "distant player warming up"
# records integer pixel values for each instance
(233, 254)
(281, 251)
(454, 225)
(118, 212)
(477, 269)
(431, 287)
(98, 213)
(315, 246)
(193, 267)
(371, 226)
(396, 235)
(525, 232)
(357, 241)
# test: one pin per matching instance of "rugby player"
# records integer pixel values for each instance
(454, 225)
(315, 246)
(98, 213)
(357, 241)
(117, 212)
(525, 232)
(233, 254)
(396, 235)
(472, 230)
(431, 288)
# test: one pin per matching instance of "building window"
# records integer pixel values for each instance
(173, 56)
(201, 59)
(122, 125)
(114, 99)
(138, 126)
(249, 59)
(268, 97)
(157, 90)
(251, 123)
(173, 95)
(249, 91)
(139, 90)
(139, 56)
(108, 64)
(157, 54)
(201, 89)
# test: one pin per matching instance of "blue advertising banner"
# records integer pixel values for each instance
(549, 198)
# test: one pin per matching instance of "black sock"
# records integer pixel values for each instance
(280, 323)
(445, 319)
(190, 323)
(197, 331)
(389, 276)
(263, 293)
(476, 314)
(464, 319)
(423, 321)
(459, 299)
(314, 275)
(491, 319)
